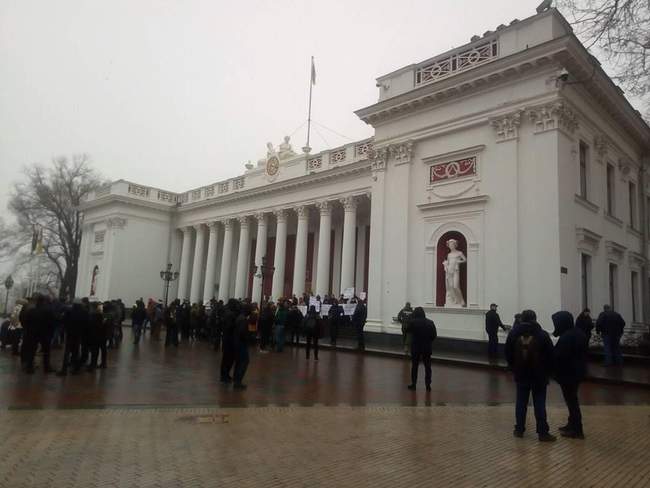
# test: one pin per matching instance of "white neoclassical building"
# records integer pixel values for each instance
(508, 170)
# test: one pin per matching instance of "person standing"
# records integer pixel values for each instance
(75, 319)
(138, 317)
(422, 332)
(280, 323)
(294, 322)
(171, 324)
(334, 320)
(570, 361)
(240, 347)
(529, 352)
(610, 326)
(101, 330)
(266, 326)
(403, 318)
(358, 322)
(492, 325)
(229, 323)
(585, 323)
(37, 321)
(311, 326)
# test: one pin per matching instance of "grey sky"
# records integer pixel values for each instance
(177, 94)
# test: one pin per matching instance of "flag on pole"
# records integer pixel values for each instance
(313, 71)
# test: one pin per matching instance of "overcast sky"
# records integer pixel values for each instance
(178, 94)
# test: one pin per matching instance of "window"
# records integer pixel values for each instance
(584, 151)
(613, 285)
(632, 197)
(635, 295)
(611, 197)
(585, 272)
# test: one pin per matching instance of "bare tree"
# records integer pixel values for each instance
(619, 30)
(48, 200)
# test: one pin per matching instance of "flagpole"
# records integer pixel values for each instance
(311, 87)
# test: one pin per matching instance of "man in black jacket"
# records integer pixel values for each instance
(240, 346)
(570, 356)
(529, 352)
(229, 325)
(75, 320)
(422, 332)
(358, 322)
(610, 325)
(492, 324)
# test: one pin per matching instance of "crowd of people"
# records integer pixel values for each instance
(87, 329)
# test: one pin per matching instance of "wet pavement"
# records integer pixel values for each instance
(149, 375)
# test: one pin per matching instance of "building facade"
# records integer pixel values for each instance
(508, 170)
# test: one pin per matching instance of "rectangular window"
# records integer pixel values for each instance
(613, 285)
(635, 296)
(632, 198)
(585, 271)
(584, 151)
(611, 196)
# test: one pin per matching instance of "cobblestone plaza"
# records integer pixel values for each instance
(159, 418)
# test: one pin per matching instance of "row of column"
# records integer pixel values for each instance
(200, 280)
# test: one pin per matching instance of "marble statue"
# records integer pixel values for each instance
(285, 149)
(454, 295)
(270, 150)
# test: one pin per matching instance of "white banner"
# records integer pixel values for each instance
(349, 308)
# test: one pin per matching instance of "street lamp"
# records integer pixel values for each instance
(168, 276)
(9, 283)
(265, 271)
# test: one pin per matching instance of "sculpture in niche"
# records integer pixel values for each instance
(93, 281)
(454, 294)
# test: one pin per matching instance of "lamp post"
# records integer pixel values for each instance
(265, 271)
(9, 283)
(168, 276)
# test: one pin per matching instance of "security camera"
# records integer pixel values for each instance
(563, 75)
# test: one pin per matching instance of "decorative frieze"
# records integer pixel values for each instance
(615, 251)
(116, 223)
(362, 149)
(337, 157)
(451, 170)
(401, 152)
(314, 163)
(556, 115)
(507, 126)
(587, 240)
(378, 158)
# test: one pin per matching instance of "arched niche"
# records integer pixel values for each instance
(441, 255)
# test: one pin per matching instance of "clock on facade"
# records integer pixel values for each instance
(272, 166)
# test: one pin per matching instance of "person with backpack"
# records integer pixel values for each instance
(312, 326)
(529, 352)
(570, 357)
(422, 333)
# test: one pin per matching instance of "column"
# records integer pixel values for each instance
(184, 275)
(224, 277)
(359, 282)
(260, 252)
(280, 254)
(324, 235)
(199, 249)
(241, 279)
(300, 262)
(210, 268)
(349, 238)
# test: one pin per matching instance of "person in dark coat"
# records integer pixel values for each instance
(610, 326)
(38, 323)
(312, 327)
(229, 324)
(334, 315)
(403, 318)
(359, 317)
(585, 323)
(529, 352)
(570, 366)
(240, 347)
(138, 317)
(492, 325)
(102, 329)
(294, 322)
(422, 332)
(280, 322)
(75, 319)
(265, 323)
(171, 324)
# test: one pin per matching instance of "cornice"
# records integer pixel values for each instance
(359, 167)
(458, 202)
(112, 198)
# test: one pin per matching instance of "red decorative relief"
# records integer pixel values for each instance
(453, 169)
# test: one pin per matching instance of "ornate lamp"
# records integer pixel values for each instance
(168, 276)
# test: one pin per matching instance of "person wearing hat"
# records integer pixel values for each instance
(492, 324)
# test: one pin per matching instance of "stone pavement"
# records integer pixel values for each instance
(459, 446)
